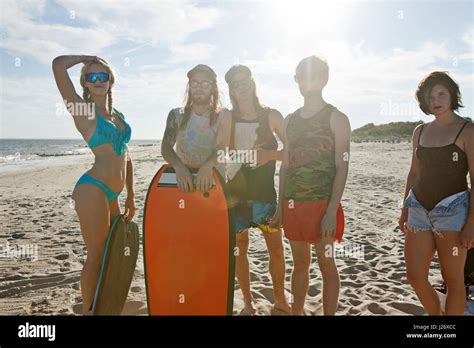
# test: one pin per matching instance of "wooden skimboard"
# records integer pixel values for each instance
(118, 266)
(188, 248)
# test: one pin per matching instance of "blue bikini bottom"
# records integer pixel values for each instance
(86, 178)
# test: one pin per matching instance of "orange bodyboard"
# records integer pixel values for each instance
(189, 245)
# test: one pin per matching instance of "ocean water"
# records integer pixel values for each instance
(22, 154)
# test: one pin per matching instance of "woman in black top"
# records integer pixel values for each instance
(437, 215)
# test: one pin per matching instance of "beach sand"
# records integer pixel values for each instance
(35, 210)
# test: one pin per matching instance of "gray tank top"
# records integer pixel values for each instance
(197, 141)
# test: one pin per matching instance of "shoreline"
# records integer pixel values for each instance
(44, 161)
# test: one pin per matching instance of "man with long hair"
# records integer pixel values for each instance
(198, 130)
(251, 181)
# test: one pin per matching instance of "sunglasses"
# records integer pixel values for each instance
(93, 77)
(203, 84)
(245, 83)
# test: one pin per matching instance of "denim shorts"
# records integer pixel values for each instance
(450, 214)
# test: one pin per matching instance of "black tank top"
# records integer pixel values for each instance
(443, 172)
(253, 184)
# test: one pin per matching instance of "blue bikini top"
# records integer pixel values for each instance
(108, 133)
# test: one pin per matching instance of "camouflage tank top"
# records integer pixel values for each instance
(312, 168)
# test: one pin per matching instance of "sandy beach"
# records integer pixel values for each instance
(35, 211)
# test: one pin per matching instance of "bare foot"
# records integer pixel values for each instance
(248, 310)
(295, 312)
(282, 307)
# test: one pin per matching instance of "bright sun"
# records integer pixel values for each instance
(305, 17)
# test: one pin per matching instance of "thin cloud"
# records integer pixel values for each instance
(108, 22)
(195, 52)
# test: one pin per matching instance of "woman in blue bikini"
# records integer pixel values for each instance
(107, 134)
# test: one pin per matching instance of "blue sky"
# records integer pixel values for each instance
(377, 52)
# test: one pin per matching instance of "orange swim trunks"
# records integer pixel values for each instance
(302, 220)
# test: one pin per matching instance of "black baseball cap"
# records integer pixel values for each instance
(237, 69)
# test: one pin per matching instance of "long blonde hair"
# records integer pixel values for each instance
(86, 94)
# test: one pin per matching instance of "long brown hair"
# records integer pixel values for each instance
(86, 94)
(215, 105)
(256, 101)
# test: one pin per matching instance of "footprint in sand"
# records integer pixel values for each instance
(25, 284)
(376, 309)
(353, 302)
(40, 306)
(77, 251)
(253, 277)
(396, 276)
(313, 291)
(62, 257)
(408, 308)
(353, 311)
(351, 284)
(267, 293)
